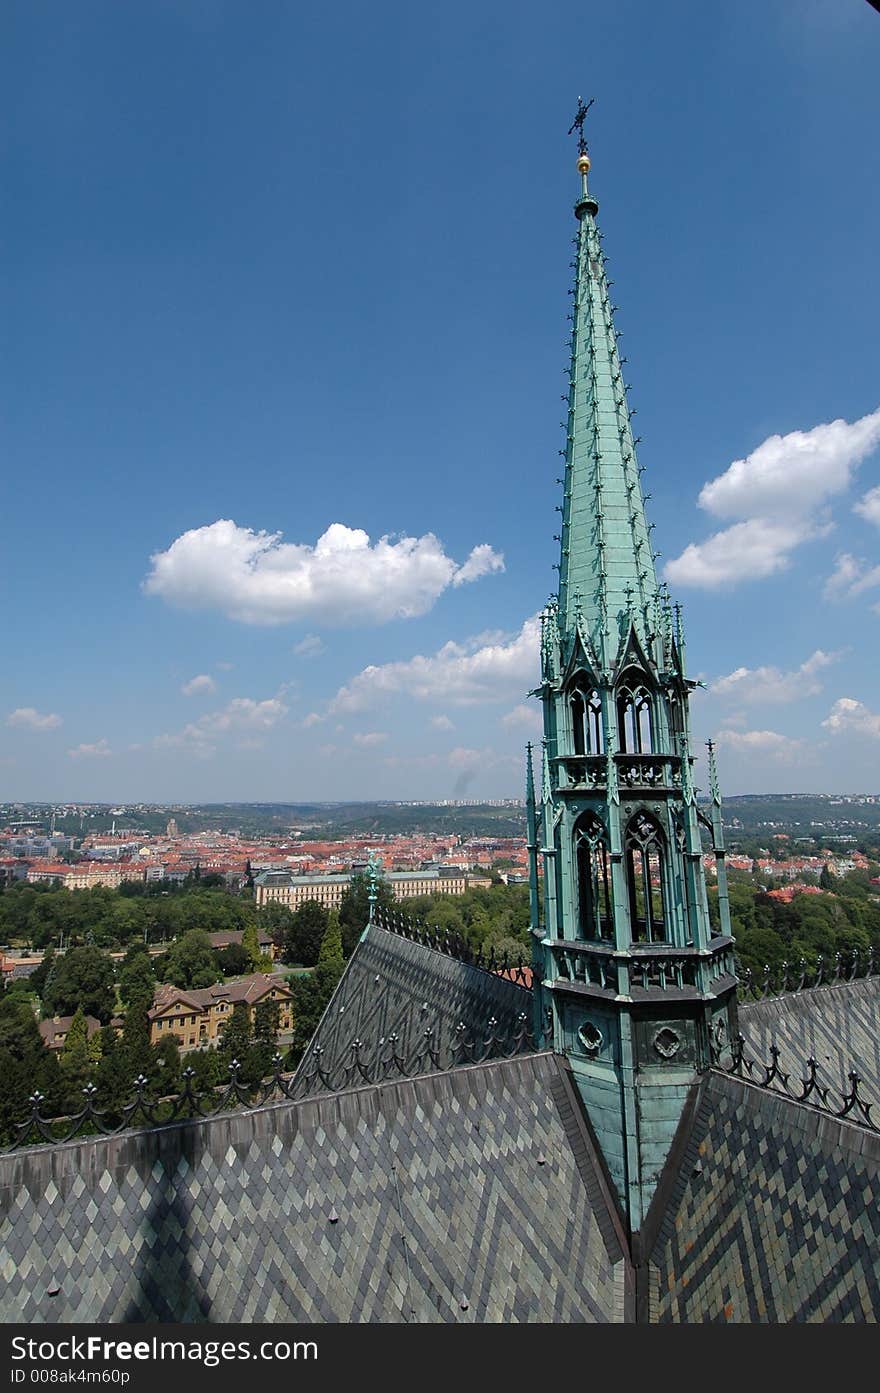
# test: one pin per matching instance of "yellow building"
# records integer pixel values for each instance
(195, 1017)
(282, 887)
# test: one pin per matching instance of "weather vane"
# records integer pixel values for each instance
(578, 123)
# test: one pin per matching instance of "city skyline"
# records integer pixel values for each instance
(282, 370)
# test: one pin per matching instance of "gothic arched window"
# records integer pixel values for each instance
(635, 720)
(593, 879)
(645, 873)
(586, 722)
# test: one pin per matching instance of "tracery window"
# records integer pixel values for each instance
(645, 872)
(593, 864)
(586, 722)
(635, 720)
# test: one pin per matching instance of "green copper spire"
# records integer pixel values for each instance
(607, 578)
(633, 974)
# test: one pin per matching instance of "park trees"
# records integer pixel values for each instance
(136, 976)
(259, 961)
(312, 992)
(303, 934)
(83, 977)
(234, 960)
(191, 961)
(26, 1066)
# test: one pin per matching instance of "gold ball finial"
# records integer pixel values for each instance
(583, 163)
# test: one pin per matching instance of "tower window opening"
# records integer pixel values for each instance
(635, 721)
(588, 736)
(595, 919)
(645, 869)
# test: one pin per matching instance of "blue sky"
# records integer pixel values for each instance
(277, 273)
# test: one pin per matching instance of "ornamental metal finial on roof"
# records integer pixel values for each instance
(374, 870)
(578, 123)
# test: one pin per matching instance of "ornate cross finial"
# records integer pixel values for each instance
(713, 773)
(578, 123)
(374, 870)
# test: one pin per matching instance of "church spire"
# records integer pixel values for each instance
(632, 973)
(607, 576)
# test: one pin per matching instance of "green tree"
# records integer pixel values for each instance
(40, 977)
(302, 937)
(259, 961)
(77, 1060)
(233, 960)
(167, 1067)
(827, 878)
(208, 1069)
(191, 961)
(83, 977)
(26, 1066)
(237, 1034)
(312, 993)
(135, 1055)
(136, 976)
(266, 1018)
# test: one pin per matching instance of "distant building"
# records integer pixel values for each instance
(85, 875)
(195, 1018)
(281, 887)
(56, 1030)
(12, 869)
(224, 938)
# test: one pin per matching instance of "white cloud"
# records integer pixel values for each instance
(201, 684)
(777, 494)
(748, 551)
(794, 472)
(527, 718)
(27, 718)
(459, 674)
(848, 716)
(483, 561)
(369, 739)
(771, 685)
(256, 578)
(312, 719)
(310, 647)
(99, 750)
(851, 577)
(767, 744)
(243, 713)
(869, 506)
(242, 716)
(441, 723)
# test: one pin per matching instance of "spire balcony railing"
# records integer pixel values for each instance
(633, 771)
(650, 967)
(589, 964)
(648, 771)
(583, 771)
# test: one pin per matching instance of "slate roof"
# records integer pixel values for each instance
(393, 985)
(837, 1025)
(769, 1213)
(473, 1195)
